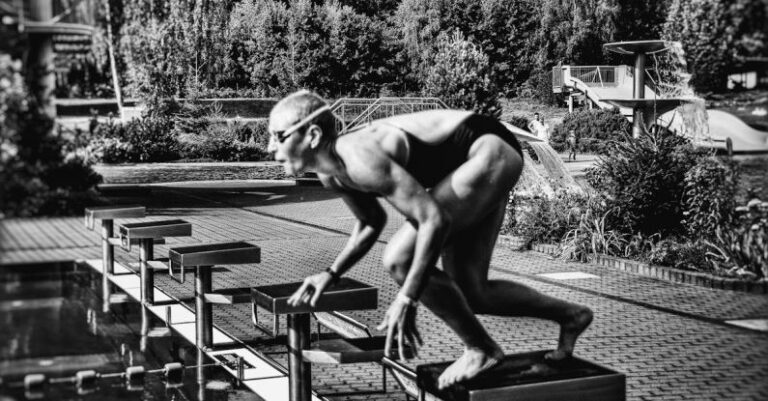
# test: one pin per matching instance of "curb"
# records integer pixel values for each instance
(668, 273)
(513, 242)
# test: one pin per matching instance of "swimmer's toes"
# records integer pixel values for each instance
(556, 355)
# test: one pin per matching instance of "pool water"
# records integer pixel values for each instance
(51, 323)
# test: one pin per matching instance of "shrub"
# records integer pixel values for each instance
(684, 255)
(226, 143)
(146, 139)
(519, 122)
(594, 128)
(710, 187)
(36, 173)
(643, 181)
(742, 248)
(543, 219)
(591, 235)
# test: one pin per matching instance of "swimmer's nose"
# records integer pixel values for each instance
(272, 146)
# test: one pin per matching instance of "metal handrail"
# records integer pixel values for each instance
(384, 106)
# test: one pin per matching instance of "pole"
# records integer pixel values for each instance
(639, 93)
(40, 59)
(203, 310)
(112, 64)
(107, 261)
(299, 372)
(146, 253)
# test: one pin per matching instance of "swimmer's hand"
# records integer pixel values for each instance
(401, 320)
(310, 290)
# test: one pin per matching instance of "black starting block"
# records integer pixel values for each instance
(145, 234)
(202, 258)
(347, 294)
(107, 215)
(531, 377)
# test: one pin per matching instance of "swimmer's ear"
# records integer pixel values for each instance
(315, 135)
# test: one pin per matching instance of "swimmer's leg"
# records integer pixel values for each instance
(467, 259)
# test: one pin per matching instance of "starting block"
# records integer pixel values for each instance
(202, 258)
(107, 215)
(528, 376)
(347, 294)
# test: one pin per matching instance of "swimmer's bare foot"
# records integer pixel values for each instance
(473, 362)
(569, 332)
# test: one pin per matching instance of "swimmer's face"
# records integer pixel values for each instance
(290, 148)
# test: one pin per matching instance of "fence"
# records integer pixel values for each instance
(356, 111)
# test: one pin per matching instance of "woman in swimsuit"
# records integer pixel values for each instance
(449, 173)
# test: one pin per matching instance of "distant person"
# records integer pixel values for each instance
(449, 172)
(537, 127)
(572, 141)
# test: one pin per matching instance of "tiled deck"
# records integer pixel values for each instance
(671, 340)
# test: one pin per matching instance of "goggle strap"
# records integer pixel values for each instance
(305, 120)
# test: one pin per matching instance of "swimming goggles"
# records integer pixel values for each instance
(281, 136)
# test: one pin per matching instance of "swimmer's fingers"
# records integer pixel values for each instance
(297, 296)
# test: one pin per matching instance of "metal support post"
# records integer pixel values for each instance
(107, 262)
(201, 375)
(299, 372)
(638, 90)
(203, 310)
(146, 253)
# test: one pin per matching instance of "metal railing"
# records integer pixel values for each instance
(356, 111)
(558, 76)
(595, 75)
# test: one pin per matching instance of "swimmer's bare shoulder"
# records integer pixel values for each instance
(429, 125)
(367, 163)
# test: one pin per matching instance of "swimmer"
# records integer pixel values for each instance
(450, 173)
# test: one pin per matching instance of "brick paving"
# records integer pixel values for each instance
(668, 338)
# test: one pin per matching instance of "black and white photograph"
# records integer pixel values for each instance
(375, 200)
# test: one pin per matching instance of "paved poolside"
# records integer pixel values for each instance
(670, 339)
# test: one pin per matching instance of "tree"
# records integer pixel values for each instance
(570, 33)
(460, 75)
(640, 20)
(175, 48)
(259, 47)
(716, 35)
(361, 61)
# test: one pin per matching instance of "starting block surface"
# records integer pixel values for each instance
(530, 377)
(347, 294)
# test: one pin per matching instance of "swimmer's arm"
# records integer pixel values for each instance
(411, 199)
(371, 219)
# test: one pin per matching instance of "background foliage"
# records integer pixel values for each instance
(593, 128)
(38, 176)
(644, 180)
(341, 47)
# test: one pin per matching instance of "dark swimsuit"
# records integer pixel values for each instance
(431, 162)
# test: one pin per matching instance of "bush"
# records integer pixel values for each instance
(643, 181)
(146, 139)
(742, 248)
(710, 187)
(519, 122)
(594, 128)
(237, 142)
(37, 174)
(543, 219)
(591, 235)
(684, 255)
